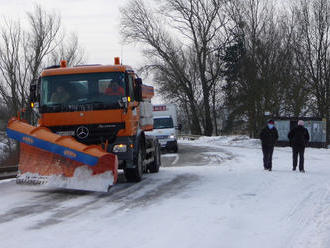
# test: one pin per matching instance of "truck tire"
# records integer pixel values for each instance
(154, 166)
(135, 174)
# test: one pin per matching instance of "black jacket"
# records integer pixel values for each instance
(298, 136)
(268, 136)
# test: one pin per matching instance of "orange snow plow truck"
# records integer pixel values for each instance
(91, 122)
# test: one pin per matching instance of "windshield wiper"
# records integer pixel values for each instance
(93, 102)
(53, 105)
(99, 104)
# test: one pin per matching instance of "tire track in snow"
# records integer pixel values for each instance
(54, 206)
(138, 195)
(94, 201)
(177, 157)
(311, 218)
(36, 206)
(162, 191)
(192, 155)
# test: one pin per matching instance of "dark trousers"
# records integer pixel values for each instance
(295, 151)
(268, 156)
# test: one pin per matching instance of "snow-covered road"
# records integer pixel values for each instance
(214, 193)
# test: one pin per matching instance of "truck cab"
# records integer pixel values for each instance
(103, 105)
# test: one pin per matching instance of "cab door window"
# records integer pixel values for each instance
(130, 87)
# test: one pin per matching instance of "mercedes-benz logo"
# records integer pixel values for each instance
(82, 132)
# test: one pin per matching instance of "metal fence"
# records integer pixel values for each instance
(315, 126)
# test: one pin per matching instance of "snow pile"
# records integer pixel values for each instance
(81, 180)
(233, 140)
(216, 157)
(84, 180)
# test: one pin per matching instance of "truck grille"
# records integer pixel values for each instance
(91, 134)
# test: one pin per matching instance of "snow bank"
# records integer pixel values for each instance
(233, 140)
(81, 180)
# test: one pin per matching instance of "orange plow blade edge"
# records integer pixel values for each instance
(61, 161)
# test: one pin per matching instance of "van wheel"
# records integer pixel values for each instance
(135, 174)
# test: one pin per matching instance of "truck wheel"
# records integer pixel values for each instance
(175, 150)
(154, 166)
(135, 174)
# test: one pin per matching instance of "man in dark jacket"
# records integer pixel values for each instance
(299, 138)
(268, 137)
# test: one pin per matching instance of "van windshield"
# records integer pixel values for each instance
(79, 92)
(160, 123)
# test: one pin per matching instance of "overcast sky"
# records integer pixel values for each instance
(96, 22)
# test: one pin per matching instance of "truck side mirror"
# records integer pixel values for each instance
(138, 89)
(33, 88)
(34, 91)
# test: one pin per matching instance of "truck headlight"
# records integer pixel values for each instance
(120, 148)
(172, 137)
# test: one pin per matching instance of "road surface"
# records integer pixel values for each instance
(213, 193)
(123, 195)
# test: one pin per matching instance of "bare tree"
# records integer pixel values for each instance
(203, 23)
(178, 89)
(262, 69)
(272, 61)
(251, 78)
(292, 73)
(23, 54)
(167, 56)
(313, 18)
(14, 67)
(43, 38)
(68, 50)
(201, 28)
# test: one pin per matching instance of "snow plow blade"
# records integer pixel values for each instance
(61, 161)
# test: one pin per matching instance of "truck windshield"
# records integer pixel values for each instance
(79, 92)
(160, 123)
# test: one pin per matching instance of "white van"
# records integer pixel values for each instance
(166, 126)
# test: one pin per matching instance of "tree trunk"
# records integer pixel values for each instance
(214, 113)
(208, 128)
(195, 127)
